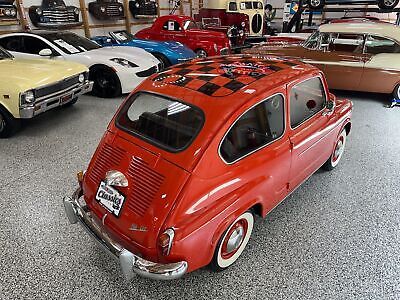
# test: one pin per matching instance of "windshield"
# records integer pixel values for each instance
(71, 43)
(312, 41)
(122, 36)
(4, 54)
(169, 124)
(190, 25)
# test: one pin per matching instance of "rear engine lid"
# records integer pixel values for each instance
(153, 187)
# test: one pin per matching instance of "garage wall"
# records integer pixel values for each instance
(97, 27)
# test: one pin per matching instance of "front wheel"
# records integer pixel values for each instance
(387, 4)
(315, 4)
(8, 124)
(165, 63)
(337, 153)
(106, 83)
(233, 242)
(201, 53)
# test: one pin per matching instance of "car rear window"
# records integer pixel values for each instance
(167, 123)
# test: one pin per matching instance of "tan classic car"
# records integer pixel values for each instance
(355, 56)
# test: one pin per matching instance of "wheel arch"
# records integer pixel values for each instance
(347, 127)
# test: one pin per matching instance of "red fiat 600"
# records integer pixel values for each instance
(197, 151)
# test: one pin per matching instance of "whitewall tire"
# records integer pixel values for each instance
(233, 241)
(337, 153)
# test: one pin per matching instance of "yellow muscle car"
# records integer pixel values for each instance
(29, 87)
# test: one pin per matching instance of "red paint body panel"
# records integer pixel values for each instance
(209, 40)
(203, 194)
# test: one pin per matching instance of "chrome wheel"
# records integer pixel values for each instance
(389, 3)
(315, 3)
(201, 53)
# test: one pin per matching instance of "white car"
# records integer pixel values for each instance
(113, 70)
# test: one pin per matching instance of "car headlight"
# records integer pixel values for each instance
(13, 13)
(39, 11)
(120, 8)
(123, 62)
(102, 9)
(27, 98)
(76, 11)
(243, 24)
(165, 241)
(81, 78)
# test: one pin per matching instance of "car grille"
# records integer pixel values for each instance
(59, 16)
(146, 183)
(107, 158)
(58, 87)
(148, 72)
(112, 10)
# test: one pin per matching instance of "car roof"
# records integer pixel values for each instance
(382, 29)
(226, 82)
(174, 17)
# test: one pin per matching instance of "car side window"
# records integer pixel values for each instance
(232, 6)
(256, 128)
(172, 26)
(12, 43)
(352, 43)
(306, 99)
(377, 44)
(33, 45)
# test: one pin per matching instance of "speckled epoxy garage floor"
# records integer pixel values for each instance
(336, 237)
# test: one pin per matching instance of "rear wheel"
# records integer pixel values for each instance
(106, 83)
(165, 63)
(233, 242)
(388, 4)
(337, 153)
(315, 4)
(8, 124)
(201, 53)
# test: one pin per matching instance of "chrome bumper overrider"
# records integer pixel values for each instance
(48, 102)
(130, 263)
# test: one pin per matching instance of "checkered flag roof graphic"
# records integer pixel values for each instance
(221, 76)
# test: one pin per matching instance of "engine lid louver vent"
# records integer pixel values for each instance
(145, 183)
(107, 158)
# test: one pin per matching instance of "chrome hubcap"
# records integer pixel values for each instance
(201, 53)
(235, 240)
(315, 2)
(338, 150)
(389, 2)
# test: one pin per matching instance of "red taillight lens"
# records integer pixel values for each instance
(165, 241)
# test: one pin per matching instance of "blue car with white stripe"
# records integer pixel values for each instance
(168, 53)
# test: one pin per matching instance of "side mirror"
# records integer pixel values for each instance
(330, 105)
(330, 108)
(46, 52)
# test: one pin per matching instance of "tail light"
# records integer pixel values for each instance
(80, 176)
(165, 241)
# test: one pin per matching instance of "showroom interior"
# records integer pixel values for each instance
(199, 149)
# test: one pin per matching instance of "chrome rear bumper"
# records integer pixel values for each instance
(129, 262)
